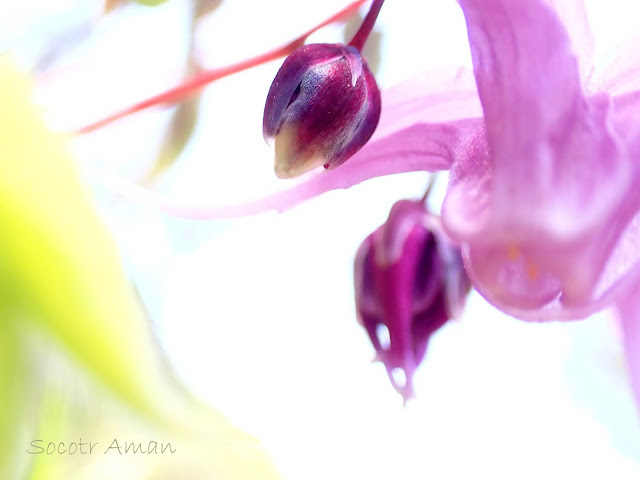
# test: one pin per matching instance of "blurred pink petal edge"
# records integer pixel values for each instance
(628, 310)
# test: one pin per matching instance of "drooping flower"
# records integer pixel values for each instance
(409, 280)
(547, 203)
(543, 201)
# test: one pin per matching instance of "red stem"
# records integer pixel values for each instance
(192, 85)
(361, 36)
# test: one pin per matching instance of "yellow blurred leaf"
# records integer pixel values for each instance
(60, 276)
(54, 413)
(59, 265)
(11, 386)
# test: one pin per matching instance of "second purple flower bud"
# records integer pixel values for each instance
(409, 280)
(322, 107)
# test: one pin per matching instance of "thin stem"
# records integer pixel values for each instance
(361, 36)
(192, 85)
(432, 181)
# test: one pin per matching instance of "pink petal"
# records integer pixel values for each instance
(536, 198)
(627, 124)
(629, 312)
(467, 206)
(556, 311)
(623, 261)
(574, 18)
(539, 123)
(620, 275)
(512, 279)
(626, 253)
(436, 96)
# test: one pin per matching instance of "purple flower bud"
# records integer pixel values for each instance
(322, 107)
(409, 280)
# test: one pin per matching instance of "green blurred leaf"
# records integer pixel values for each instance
(13, 393)
(53, 421)
(59, 265)
(66, 310)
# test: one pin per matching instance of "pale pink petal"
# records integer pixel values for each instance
(629, 312)
(511, 278)
(621, 273)
(627, 122)
(544, 199)
(555, 310)
(467, 206)
(574, 17)
(436, 96)
(625, 255)
(626, 252)
(552, 150)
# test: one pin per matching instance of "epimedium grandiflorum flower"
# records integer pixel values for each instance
(543, 186)
(544, 196)
(409, 280)
(323, 105)
(543, 151)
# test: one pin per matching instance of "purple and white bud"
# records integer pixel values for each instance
(322, 107)
(409, 280)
